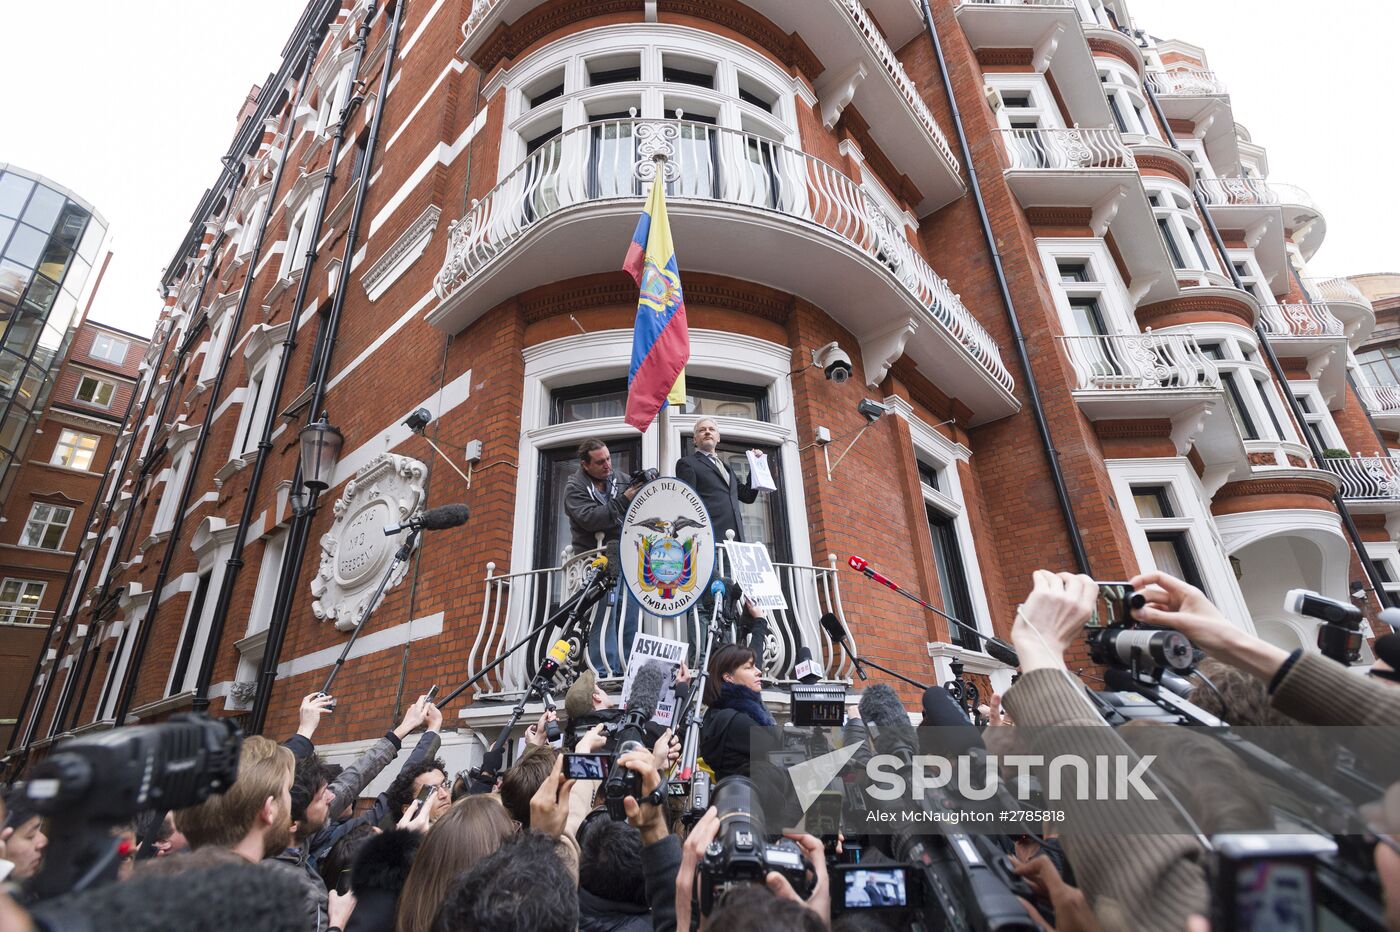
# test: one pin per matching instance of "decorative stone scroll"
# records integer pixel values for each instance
(354, 552)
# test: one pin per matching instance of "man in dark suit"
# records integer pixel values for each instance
(719, 488)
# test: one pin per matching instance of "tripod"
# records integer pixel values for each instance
(693, 719)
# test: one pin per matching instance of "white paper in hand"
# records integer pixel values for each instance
(760, 479)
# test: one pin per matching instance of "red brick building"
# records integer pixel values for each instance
(1037, 232)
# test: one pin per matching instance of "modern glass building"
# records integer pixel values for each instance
(49, 241)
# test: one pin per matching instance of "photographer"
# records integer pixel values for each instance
(1153, 879)
(595, 502)
(1303, 684)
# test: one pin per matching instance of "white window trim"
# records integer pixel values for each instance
(1197, 147)
(651, 93)
(1185, 225)
(173, 477)
(1386, 552)
(134, 608)
(114, 341)
(1323, 416)
(8, 608)
(1253, 273)
(262, 354)
(1044, 109)
(1123, 86)
(85, 377)
(1192, 502)
(74, 448)
(1114, 301)
(944, 455)
(212, 544)
(269, 571)
(1252, 377)
(67, 525)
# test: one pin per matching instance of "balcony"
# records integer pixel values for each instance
(1186, 83)
(1370, 484)
(1312, 332)
(860, 67)
(1054, 36)
(1092, 168)
(740, 205)
(516, 602)
(1383, 403)
(1347, 303)
(1132, 376)
(1250, 201)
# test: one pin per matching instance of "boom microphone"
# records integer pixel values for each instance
(834, 629)
(434, 519)
(646, 691)
(880, 706)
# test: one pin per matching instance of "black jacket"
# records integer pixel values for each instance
(721, 498)
(377, 878)
(729, 737)
(596, 914)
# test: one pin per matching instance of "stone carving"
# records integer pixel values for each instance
(354, 552)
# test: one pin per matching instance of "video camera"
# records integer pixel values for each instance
(89, 785)
(629, 734)
(741, 852)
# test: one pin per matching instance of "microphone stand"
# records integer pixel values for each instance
(483, 778)
(404, 552)
(862, 661)
(693, 718)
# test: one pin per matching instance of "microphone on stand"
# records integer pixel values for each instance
(807, 670)
(834, 629)
(434, 519)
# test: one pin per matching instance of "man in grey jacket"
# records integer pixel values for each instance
(322, 799)
(595, 502)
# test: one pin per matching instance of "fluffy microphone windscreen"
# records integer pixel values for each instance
(646, 688)
(881, 707)
(445, 516)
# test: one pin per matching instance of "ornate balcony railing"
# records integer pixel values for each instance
(1300, 320)
(886, 56)
(1335, 289)
(1066, 149)
(1379, 399)
(1243, 191)
(1367, 478)
(517, 602)
(863, 23)
(1187, 82)
(613, 159)
(1149, 362)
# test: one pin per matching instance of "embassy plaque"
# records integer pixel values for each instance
(355, 552)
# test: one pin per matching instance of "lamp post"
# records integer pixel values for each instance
(320, 453)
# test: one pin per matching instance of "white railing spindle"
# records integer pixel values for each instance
(1126, 362)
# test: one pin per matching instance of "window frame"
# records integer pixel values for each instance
(83, 379)
(75, 447)
(1183, 234)
(10, 611)
(1104, 284)
(113, 341)
(47, 525)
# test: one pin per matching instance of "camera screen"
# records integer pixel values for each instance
(1274, 895)
(876, 888)
(586, 766)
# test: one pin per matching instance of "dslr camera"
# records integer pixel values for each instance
(643, 476)
(741, 853)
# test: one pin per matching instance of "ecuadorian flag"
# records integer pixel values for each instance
(660, 339)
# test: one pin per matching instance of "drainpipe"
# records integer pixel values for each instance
(235, 560)
(1081, 557)
(300, 529)
(63, 597)
(143, 636)
(1262, 338)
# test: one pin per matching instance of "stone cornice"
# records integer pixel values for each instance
(1004, 57)
(1060, 216)
(1105, 46)
(1280, 485)
(699, 291)
(1147, 161)
(1196, 309)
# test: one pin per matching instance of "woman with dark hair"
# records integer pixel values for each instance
(734, 700)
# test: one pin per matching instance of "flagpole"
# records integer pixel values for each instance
(663, 445)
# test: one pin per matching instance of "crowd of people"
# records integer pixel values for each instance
(294, 844)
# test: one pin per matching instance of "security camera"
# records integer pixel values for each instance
(872, 410)
(834, 361)
(418, 420)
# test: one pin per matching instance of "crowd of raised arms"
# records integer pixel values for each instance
(294, 842)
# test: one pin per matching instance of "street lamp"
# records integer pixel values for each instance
(320, 452)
